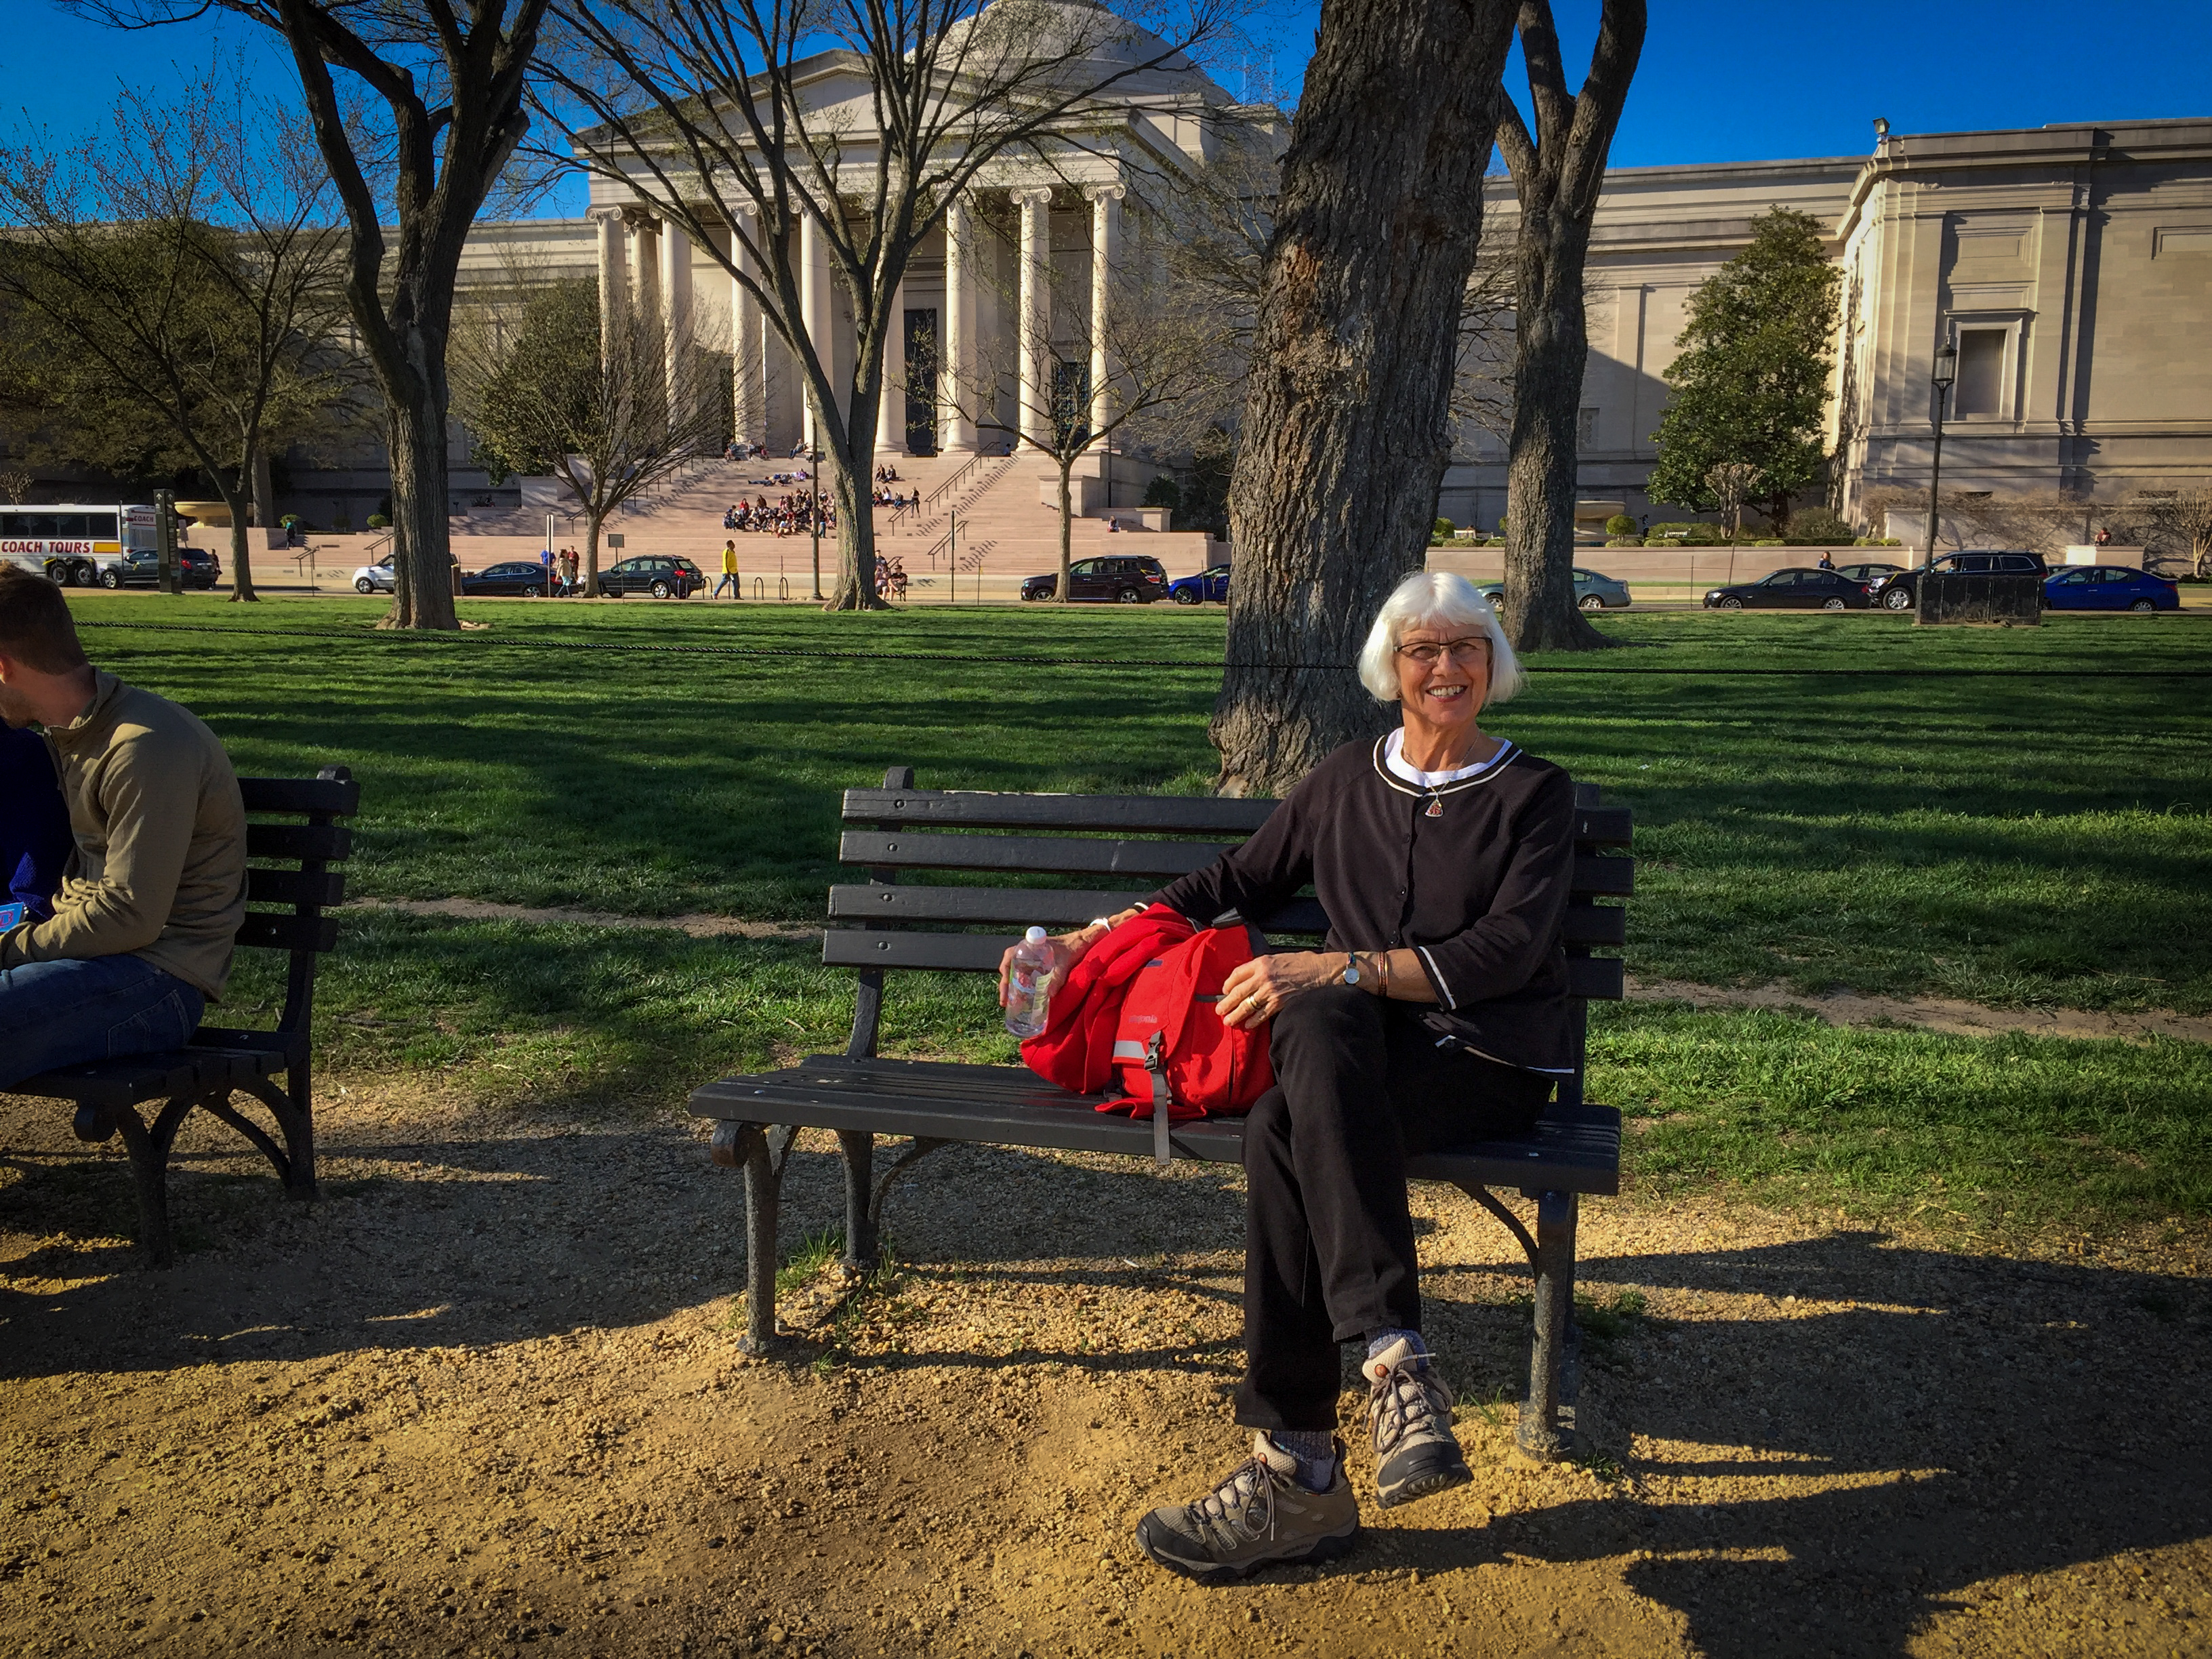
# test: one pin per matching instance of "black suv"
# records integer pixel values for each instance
(1899, 592)
(660, 576)
(1121, 581)
(141, 567)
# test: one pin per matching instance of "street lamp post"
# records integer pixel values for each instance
(814, 519)
(1941, 377)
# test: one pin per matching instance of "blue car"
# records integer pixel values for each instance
(1211, 585)
(2109, 588)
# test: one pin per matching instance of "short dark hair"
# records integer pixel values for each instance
(35, 625)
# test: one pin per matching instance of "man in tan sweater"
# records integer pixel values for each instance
(140, 938)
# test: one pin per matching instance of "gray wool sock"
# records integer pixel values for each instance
(1315, 1450)
(1378, 1340)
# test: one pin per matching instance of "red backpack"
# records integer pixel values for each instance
(1148, 1009)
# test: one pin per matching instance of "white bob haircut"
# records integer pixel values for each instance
(1436, 597)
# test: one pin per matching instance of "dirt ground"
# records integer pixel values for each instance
(486, 1397)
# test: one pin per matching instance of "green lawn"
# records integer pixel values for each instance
(2028, 835)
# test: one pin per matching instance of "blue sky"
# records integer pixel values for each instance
(1747, 81)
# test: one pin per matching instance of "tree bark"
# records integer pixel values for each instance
(241, 561)
(422, 568)
(1558, 171)
(1345, 430)
(1060, 592)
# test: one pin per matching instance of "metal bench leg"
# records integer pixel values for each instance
(1546, 1429)
(862, 1249)
(745, 1146)
(295, 1162)
(149, 1145)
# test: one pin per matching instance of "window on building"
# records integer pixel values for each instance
(1586, 426)
(1980, 389)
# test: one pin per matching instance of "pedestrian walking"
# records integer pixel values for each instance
(569, 564)
(729, 574)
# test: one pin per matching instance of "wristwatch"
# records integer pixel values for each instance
(1351, 968)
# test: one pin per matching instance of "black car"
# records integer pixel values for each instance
(655, 574)
(1119, 581)
(141, 567)
(1899, 592)
(519, 577)
(1792, 590)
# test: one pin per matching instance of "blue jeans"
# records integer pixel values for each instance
(730, 582)
(63, 1013)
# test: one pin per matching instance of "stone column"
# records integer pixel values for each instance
(816, 314)
(748, 360)
(891, 407)
(1105, 260)
(645, 268)
(1036, 320)
(956, 343)
(675, 301)
(614, 269)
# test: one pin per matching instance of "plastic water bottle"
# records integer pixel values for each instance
(1027, 999)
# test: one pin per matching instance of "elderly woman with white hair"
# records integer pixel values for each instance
(1436, 1016)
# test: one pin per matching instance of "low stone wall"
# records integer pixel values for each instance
(1679, 567)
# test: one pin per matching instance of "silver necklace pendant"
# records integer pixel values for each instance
(1436, 807)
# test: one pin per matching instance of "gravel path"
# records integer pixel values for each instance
(486, 1397)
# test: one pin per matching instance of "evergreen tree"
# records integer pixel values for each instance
(1751, 382)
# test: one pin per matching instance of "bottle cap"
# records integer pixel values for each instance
(1035, 936)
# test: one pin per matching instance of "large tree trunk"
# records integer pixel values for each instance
(593, 518)
(1550, 346)
(1060, 594)
(1347, 427)
(241, 561)
(852, 470)
(423, 584)
(1557, 169)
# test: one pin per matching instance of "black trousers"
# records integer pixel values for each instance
(1360, 1086)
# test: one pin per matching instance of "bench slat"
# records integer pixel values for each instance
(1572, 1148)
(1593, 978)
(1071, 907)
(970, 808)
(130, 1080)
(1609, 877)
(326, 841)
(265, 886)
(977, 808)
(288, 933)
(340, 798)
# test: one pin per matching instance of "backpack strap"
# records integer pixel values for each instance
(1156, 1067)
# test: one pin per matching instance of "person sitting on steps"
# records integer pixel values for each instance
(141, 933)
(1437, 1015)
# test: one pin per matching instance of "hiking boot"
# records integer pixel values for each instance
(1409, 1413)
(1259, 1516)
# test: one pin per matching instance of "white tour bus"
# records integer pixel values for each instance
(73, 542)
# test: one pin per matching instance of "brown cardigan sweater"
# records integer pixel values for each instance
(1479, 892)
(159, 872)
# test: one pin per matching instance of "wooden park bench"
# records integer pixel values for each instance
(1127, 845)
(290, 869)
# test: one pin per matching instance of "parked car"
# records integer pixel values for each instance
(1209, 587)
(1594, 591)
(1869, 574)
(374, 579)
(141, 567)
(1800, 589)
(1899, 592)
(519, 577)
(2109, 588)
(655, 574)
(1120, 580)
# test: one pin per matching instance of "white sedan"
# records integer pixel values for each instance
(373, 579)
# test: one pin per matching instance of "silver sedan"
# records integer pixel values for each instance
(373, 579)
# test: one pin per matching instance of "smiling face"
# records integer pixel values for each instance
(1442, 698)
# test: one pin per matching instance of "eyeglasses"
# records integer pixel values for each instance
(1428, 655)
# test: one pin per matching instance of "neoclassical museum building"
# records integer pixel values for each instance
(2074, 262)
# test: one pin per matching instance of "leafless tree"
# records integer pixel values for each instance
(1172, 371)
(16, 486)
(187, 256)
(2177, 527)
(1732, 484)
(712, 117)
(423, 128)
(549, 385)
(1557, 164)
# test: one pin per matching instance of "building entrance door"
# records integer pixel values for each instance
(921, 381)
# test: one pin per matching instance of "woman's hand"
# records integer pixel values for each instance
(1067, 950)
(1255, 991)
